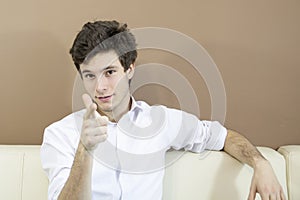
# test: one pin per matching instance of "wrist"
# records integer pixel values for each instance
(260, 162)
(83, 151)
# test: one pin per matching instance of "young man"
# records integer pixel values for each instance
(104, 53)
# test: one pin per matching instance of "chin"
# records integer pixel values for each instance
(105, 108)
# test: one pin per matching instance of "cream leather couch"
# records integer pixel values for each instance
(206, 176)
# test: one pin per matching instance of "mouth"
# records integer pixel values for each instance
(104, 98)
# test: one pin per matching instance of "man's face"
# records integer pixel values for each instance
(106, 82)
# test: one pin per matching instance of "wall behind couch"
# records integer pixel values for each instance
(255, 45)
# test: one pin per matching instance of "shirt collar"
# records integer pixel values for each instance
(135, 105)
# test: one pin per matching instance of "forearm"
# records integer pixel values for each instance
(264, 180)
(78, 185)
(239, 147)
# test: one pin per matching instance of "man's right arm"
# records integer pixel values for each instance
(78, 185)
(94, 131)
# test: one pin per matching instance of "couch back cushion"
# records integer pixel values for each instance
(292, 157)
(21, 173)
(209, 176)
(214, 175)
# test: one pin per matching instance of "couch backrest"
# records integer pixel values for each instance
(292, 157)
(22, 177)
(208, 176)
(215, 175)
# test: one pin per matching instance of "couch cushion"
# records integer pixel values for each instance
(292, 156)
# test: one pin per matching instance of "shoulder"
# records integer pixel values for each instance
(66, 129)
(69, 120)
(164, 111)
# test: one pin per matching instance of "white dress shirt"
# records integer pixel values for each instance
(129, 165)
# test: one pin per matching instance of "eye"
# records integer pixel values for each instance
(89, 76)
(110, 72)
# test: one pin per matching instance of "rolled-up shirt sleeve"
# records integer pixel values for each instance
(57, 155)
(210, 135)
(196, 135)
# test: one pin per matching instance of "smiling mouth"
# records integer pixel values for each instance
(104, 98)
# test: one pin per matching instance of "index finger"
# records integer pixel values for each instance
(90, 106)
(87, 100)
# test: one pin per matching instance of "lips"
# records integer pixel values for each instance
(105, 98)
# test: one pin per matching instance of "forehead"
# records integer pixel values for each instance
(101, 60)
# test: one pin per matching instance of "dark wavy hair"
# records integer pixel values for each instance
(102, 36)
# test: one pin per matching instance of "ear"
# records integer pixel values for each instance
(130, 71)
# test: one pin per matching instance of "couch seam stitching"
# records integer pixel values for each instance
(22, 174)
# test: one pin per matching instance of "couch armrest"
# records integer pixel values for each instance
(292, 157)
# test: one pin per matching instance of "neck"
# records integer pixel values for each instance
(116, 114)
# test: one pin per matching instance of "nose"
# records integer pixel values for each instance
(102, 84)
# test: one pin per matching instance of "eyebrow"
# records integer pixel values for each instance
(106, 68)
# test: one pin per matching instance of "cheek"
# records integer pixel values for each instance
(117, 81)
(121, 83)
(89, 86)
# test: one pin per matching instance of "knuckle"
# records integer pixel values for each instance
(90, 143)
(84, 133)
(86, 123)
(102, 120)
(103, 138)
(104, 129)
(85, 126)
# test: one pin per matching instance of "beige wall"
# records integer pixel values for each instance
(254, 44)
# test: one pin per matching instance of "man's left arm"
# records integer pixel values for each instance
(264, 180)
